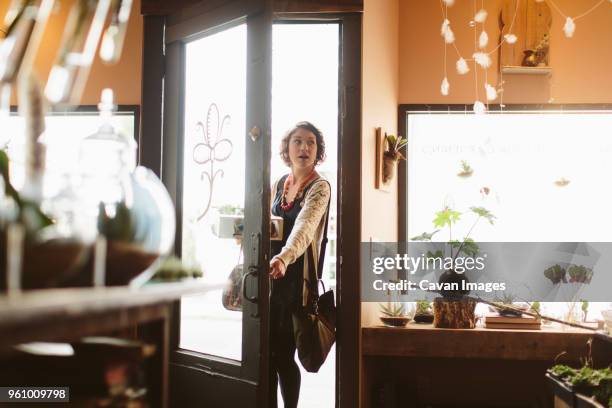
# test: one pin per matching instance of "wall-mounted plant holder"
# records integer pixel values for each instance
(385, 167)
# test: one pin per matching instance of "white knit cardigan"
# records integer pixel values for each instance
(308, 229)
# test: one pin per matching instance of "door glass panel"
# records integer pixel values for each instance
(213, 191)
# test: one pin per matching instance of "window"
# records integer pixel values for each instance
(63, 134)
(541, 173)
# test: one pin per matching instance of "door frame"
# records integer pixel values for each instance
(348, 348)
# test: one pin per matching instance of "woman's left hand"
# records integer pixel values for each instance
(277, 268)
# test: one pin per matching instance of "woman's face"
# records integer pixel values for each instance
(302, 148)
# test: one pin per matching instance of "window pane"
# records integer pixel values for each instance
(545, 174)
(63, 135)
(213, 184)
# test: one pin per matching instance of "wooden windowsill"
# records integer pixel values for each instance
(417, 340)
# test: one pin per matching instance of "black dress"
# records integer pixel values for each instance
(285, 298)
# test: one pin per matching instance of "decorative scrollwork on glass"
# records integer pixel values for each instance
(213, 148)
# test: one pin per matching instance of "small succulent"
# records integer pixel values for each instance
(556, 274)
(423, 307)
(393, 309)
(580, 273)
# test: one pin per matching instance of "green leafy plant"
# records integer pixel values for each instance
(392, 309)
(562, 371)
(423, 307)
(448, 217)
(394, 146)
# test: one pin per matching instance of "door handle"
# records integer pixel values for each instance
(254, 272)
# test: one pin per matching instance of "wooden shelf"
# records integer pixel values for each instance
(65, 314)
(69, 314)
(417, 340)
(517, 70)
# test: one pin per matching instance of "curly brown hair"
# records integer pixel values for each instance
(284, 148)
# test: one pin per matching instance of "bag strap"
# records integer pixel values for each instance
(319, 271)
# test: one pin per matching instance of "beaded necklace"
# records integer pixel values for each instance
(285, 206)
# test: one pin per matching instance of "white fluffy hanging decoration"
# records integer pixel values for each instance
(569, 27)
(491, 92)
(482, 59)
(462, 66)
(444, 87)
(446, 32)
(483, 40)
(510, 38)
(449, 2)
(479, 108)
(481, 16)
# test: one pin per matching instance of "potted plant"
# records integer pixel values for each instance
(395, 314)
(424, 313)
(454, 309)
(392, 155)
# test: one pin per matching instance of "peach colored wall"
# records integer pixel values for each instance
(124, 77)
(380, 86)
(581, 65)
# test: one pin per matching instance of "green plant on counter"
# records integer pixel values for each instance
(448, 217)
(392, 309)
(29, 213)
(173, 269)
(423, 307)
(535, 307)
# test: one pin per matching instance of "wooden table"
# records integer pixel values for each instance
(70, 314)
(416, 340)
(420, 365)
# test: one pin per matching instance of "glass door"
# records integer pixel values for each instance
(215, 162)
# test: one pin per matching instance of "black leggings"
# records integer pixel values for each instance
(283, 367)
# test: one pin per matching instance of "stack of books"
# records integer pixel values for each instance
(524, 322)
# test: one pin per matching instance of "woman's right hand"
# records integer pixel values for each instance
(277, 268)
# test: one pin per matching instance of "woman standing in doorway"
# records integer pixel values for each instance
(301, 198)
